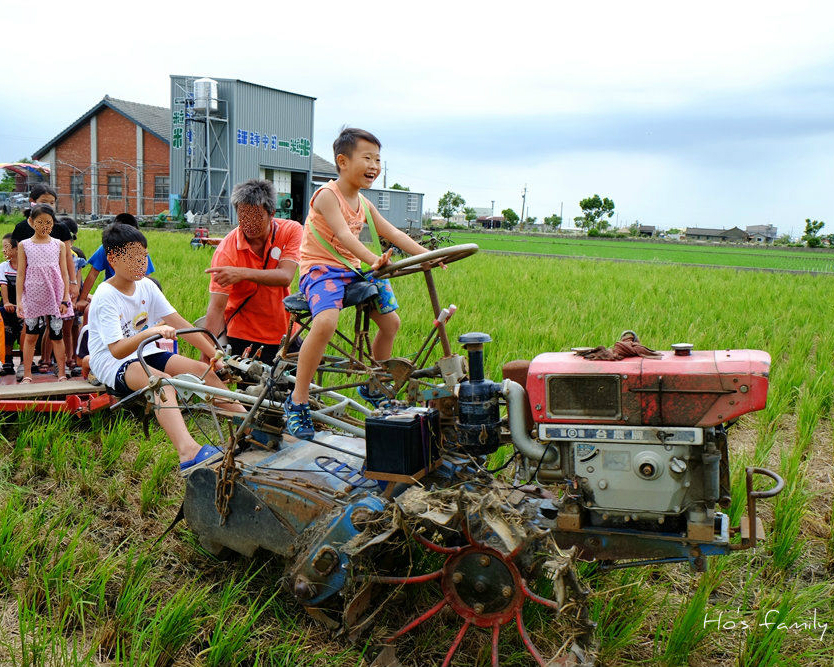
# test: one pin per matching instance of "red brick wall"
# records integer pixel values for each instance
(116, 155)
(73, 151)
(156, 164)
(116, 137)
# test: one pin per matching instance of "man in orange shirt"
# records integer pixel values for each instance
(251, 271)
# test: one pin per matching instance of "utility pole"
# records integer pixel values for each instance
(523, 202)
(561, 212)
(385, 175)
(492, 209)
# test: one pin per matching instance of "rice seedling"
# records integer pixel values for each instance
(236, 623)
(153, 494)
(688, 629)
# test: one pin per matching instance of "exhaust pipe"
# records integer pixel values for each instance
(516, 397)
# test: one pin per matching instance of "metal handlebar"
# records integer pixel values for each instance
(768, 493)
(752, 495)
(179, 332)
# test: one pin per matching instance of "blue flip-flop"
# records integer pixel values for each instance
(206, 452)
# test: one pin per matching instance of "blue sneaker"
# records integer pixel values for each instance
(206, 452)
(373, 398)
(299, 420)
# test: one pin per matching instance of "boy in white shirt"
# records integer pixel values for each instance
(120, 313)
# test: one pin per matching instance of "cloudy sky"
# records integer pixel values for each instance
(685, 114)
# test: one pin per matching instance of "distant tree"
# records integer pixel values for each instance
(470, 214)
(596, 209)
(7, 183)
(531, 220)
(554, 221)
(673, 230)
(785, 239)
(449, 204)
(812, 230)
(397, 186)
(510, 218)
(634, 228)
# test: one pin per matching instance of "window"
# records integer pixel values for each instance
(413, 201)
(384, 201)
(161, 186)
(114, 186)
(77, 184)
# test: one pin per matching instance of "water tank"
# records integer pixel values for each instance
(205, 95)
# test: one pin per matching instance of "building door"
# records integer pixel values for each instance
(299, 195)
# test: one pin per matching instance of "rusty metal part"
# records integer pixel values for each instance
(251, 524)
(484, 586)
(752, 496)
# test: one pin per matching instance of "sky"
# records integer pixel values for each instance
(709, 114)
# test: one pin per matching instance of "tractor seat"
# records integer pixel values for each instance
(355, 293)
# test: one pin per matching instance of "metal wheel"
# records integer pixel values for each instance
(485, 587)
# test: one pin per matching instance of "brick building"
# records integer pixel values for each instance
(117, 157)
(112, 159)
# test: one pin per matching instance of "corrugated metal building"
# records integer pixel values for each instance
(231, 131)
(237, 131)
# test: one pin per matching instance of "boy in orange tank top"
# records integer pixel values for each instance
(337, 214)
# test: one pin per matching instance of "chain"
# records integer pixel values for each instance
(227, 474)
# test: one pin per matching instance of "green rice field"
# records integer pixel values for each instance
(750, 256)
(82, 582)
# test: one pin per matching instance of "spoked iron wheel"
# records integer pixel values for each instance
(485, 588)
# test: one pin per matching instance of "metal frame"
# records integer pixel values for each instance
(203, 198)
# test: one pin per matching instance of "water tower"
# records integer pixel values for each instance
(207, 185)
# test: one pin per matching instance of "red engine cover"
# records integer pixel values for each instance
(704, 388)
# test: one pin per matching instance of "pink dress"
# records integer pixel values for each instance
(43, 285)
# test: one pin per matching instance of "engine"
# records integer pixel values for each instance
(639, 443)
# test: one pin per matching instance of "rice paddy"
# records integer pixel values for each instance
(82, 581)
(664, 252)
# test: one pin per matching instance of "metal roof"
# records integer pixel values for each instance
(705, 231)
(156, 120)
(249, 83)
(322, 167)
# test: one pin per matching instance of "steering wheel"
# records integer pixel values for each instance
(426, 261)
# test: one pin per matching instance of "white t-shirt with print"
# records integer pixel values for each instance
(114, 316)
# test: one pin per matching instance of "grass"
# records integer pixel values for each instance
(82, 502)
(760, 257)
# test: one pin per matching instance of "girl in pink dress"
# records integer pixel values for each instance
(42, 289)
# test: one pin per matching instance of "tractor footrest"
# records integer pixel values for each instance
(744, 528)
(343, 471)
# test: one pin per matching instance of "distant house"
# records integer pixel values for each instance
(114, 158)
(765, 234)
(733, 235)
(490, 221)
(647, 230)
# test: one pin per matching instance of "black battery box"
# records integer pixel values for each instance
(402, 443)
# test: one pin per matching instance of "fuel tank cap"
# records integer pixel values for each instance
(474, 337)
(682, 349)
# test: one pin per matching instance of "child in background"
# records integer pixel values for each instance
(43, 296)
(11, 323)
(331, 255)
(98, 261)
(72, 324)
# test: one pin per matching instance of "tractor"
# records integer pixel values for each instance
(612, 456)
